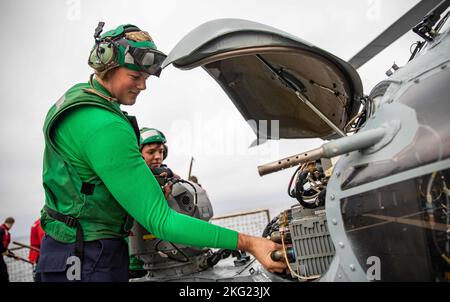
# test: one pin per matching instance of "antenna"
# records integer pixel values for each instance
(190, 167)
(99, 29)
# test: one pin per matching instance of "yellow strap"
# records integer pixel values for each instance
(148, 237)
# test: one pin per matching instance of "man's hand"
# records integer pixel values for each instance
(261, 249)
(10, 254)
(167, 189)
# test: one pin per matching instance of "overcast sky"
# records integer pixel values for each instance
(45, 46)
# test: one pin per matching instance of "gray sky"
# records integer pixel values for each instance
(44, 52)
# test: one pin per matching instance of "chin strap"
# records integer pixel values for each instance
(92, 90)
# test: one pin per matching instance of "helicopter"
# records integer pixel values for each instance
(380, 211)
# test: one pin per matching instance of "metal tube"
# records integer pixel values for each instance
(26, 246)
(305, 100)
(290, 161)
(358, 141)
(299, 95)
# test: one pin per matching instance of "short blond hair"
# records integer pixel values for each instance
(105, 75)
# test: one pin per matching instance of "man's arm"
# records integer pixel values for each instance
(136, 189)
(113, 154)
(110, 150)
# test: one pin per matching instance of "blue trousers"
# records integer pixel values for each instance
(4, 277)
(104, 260)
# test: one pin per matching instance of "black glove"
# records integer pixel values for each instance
(162, 180)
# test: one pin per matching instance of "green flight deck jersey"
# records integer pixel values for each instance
(90, 143)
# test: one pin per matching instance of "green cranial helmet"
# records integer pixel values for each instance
(125, 46)
(151, 136)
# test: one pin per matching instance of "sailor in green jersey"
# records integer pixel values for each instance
(154, 151)
(96, 181)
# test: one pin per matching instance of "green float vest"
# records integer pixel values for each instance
(90, 203)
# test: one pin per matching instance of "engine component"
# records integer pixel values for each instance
(279, 255)
(312, 242)
(276, 237)
(310, 183)
(310, 249)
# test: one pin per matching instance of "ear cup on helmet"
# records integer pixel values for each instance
(166, 151)
(102, 56)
